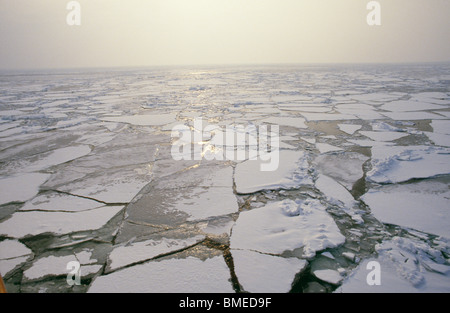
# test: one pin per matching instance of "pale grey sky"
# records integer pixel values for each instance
(35, 34)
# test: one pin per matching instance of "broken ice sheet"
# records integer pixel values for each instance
(12, 254)
(337, 194)
(409, 116)
(349, 128)
(110, 186)
(21, 187)
(345, 168)
(410, 105)
(144, 120)
(325, 148)
(329, 276)
(422, 206)
(141, 251)
(49, 159)
(190, 275)
(31, 223)
(202, 202)
(393, 164)
(202, 192)
(55, 265)
(53, 201)
(383, 135)
(292, 172)
(297, 122)
(286, 226)
(259, 272)
(406, 266)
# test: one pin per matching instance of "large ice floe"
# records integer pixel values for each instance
(394, 164)
(360, 176)
(292, 172)
(302, 225)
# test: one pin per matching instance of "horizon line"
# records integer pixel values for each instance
(222, 65)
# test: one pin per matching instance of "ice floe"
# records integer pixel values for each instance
(349, 128)
(12, 254)
(21, 187)
(422, 205)
(383, 136)
(146, 250)
(325, 147)
(30, 223)
(144, 120)
(264, 273)
(52, 201)
(292, 172)
(393, 164)
(329, 276)
(346, 167)
(57, 266)
(406, 266)
(190, 275)
(286, 226)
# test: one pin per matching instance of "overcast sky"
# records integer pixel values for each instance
(35, 34)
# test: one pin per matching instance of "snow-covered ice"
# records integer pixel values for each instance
(393, 164)
(190, 275)
(349, 128)
(422, 205)
(406, 266)
(146, 250)
(21, 187)
(22, 224)
(265, 273)
(361, 173)
(286, 226)
(292, 172)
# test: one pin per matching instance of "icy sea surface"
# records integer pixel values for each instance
(87, 175)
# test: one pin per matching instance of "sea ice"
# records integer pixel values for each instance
(264, 273)
(441, 126)
(56, 266)
(297, 122)
(12, 254)
(337, 194)
(112, 186)
(328, 117)
(345, 168)
(20, 188)
(59, 202)
(423, 206)
(22, 224)
(329, 276)
(144, 120)
(409, 105)
(292, 172)
(51, 158)
(325, 147)
(286, 226)
(145, 250)
(383, 135)
(190, 275)
(393, 164)
(439, 139)
(411, 116)
(349, 128)
(406, 266)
